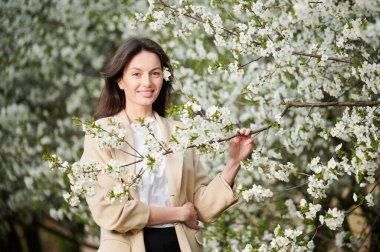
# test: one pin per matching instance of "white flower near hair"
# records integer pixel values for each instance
(167, 74)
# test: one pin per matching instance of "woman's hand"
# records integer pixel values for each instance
(240, 146)
(239, 149)
(190, 215)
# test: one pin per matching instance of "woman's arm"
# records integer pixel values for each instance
(212, 198)
(163, 215)
(124, 216)
(239, 149)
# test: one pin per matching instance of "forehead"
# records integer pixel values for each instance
(145, 61)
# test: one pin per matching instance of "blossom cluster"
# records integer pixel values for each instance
(83, 178)
(155, 147)
(308, 210)
(323, 176)
(203, 132)
(110, 135)
(333, 218)
(359, 125)
(256, 192)
(287, 240)
(267, 169)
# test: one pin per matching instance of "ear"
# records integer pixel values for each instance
(120, 83)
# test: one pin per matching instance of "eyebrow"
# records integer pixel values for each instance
(136, 68)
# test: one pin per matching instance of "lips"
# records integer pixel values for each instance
(146, 93)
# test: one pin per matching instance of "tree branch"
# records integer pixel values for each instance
(267, 127)
(332, 104)
(320, 56)
(249, 62)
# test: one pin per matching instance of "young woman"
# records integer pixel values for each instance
(163, 213)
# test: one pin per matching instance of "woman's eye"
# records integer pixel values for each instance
(157, 73)
(135, 74)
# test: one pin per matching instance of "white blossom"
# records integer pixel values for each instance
(167, 74)
(333, 218)
(257, 192)
(369, 199)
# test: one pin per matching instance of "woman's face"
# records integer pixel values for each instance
(142, 80)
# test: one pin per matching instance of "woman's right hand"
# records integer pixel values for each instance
(190, 215)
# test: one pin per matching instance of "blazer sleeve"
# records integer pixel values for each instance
(211, 198)
(128, 215)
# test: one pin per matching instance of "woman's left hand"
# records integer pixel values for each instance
(239, 149)
(240, 146)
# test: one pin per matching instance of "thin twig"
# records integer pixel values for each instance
(320, 56)
(291, 188)
(121, 139)
(265, 138)
(158, 141)
(348, 212)
(249, 62)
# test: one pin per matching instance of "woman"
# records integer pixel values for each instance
(163, 213)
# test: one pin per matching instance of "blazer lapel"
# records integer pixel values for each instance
(174, 162)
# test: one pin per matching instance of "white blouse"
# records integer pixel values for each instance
(154, 190)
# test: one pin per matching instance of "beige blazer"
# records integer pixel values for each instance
(122, 223)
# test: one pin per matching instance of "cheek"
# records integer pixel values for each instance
(129, 84)
(159, 84)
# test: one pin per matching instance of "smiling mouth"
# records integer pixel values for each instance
(146, 94)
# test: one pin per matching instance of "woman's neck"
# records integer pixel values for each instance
(134, 114)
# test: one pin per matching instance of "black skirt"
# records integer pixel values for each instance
(161, 239)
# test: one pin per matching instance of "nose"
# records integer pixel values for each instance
(145, 80)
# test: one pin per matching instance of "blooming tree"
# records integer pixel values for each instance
(303, 75)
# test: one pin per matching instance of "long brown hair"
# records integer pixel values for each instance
(112, 98)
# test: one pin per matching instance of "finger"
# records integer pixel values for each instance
(247, 132)
(196, 225)
(249, 142)
(241, 131)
